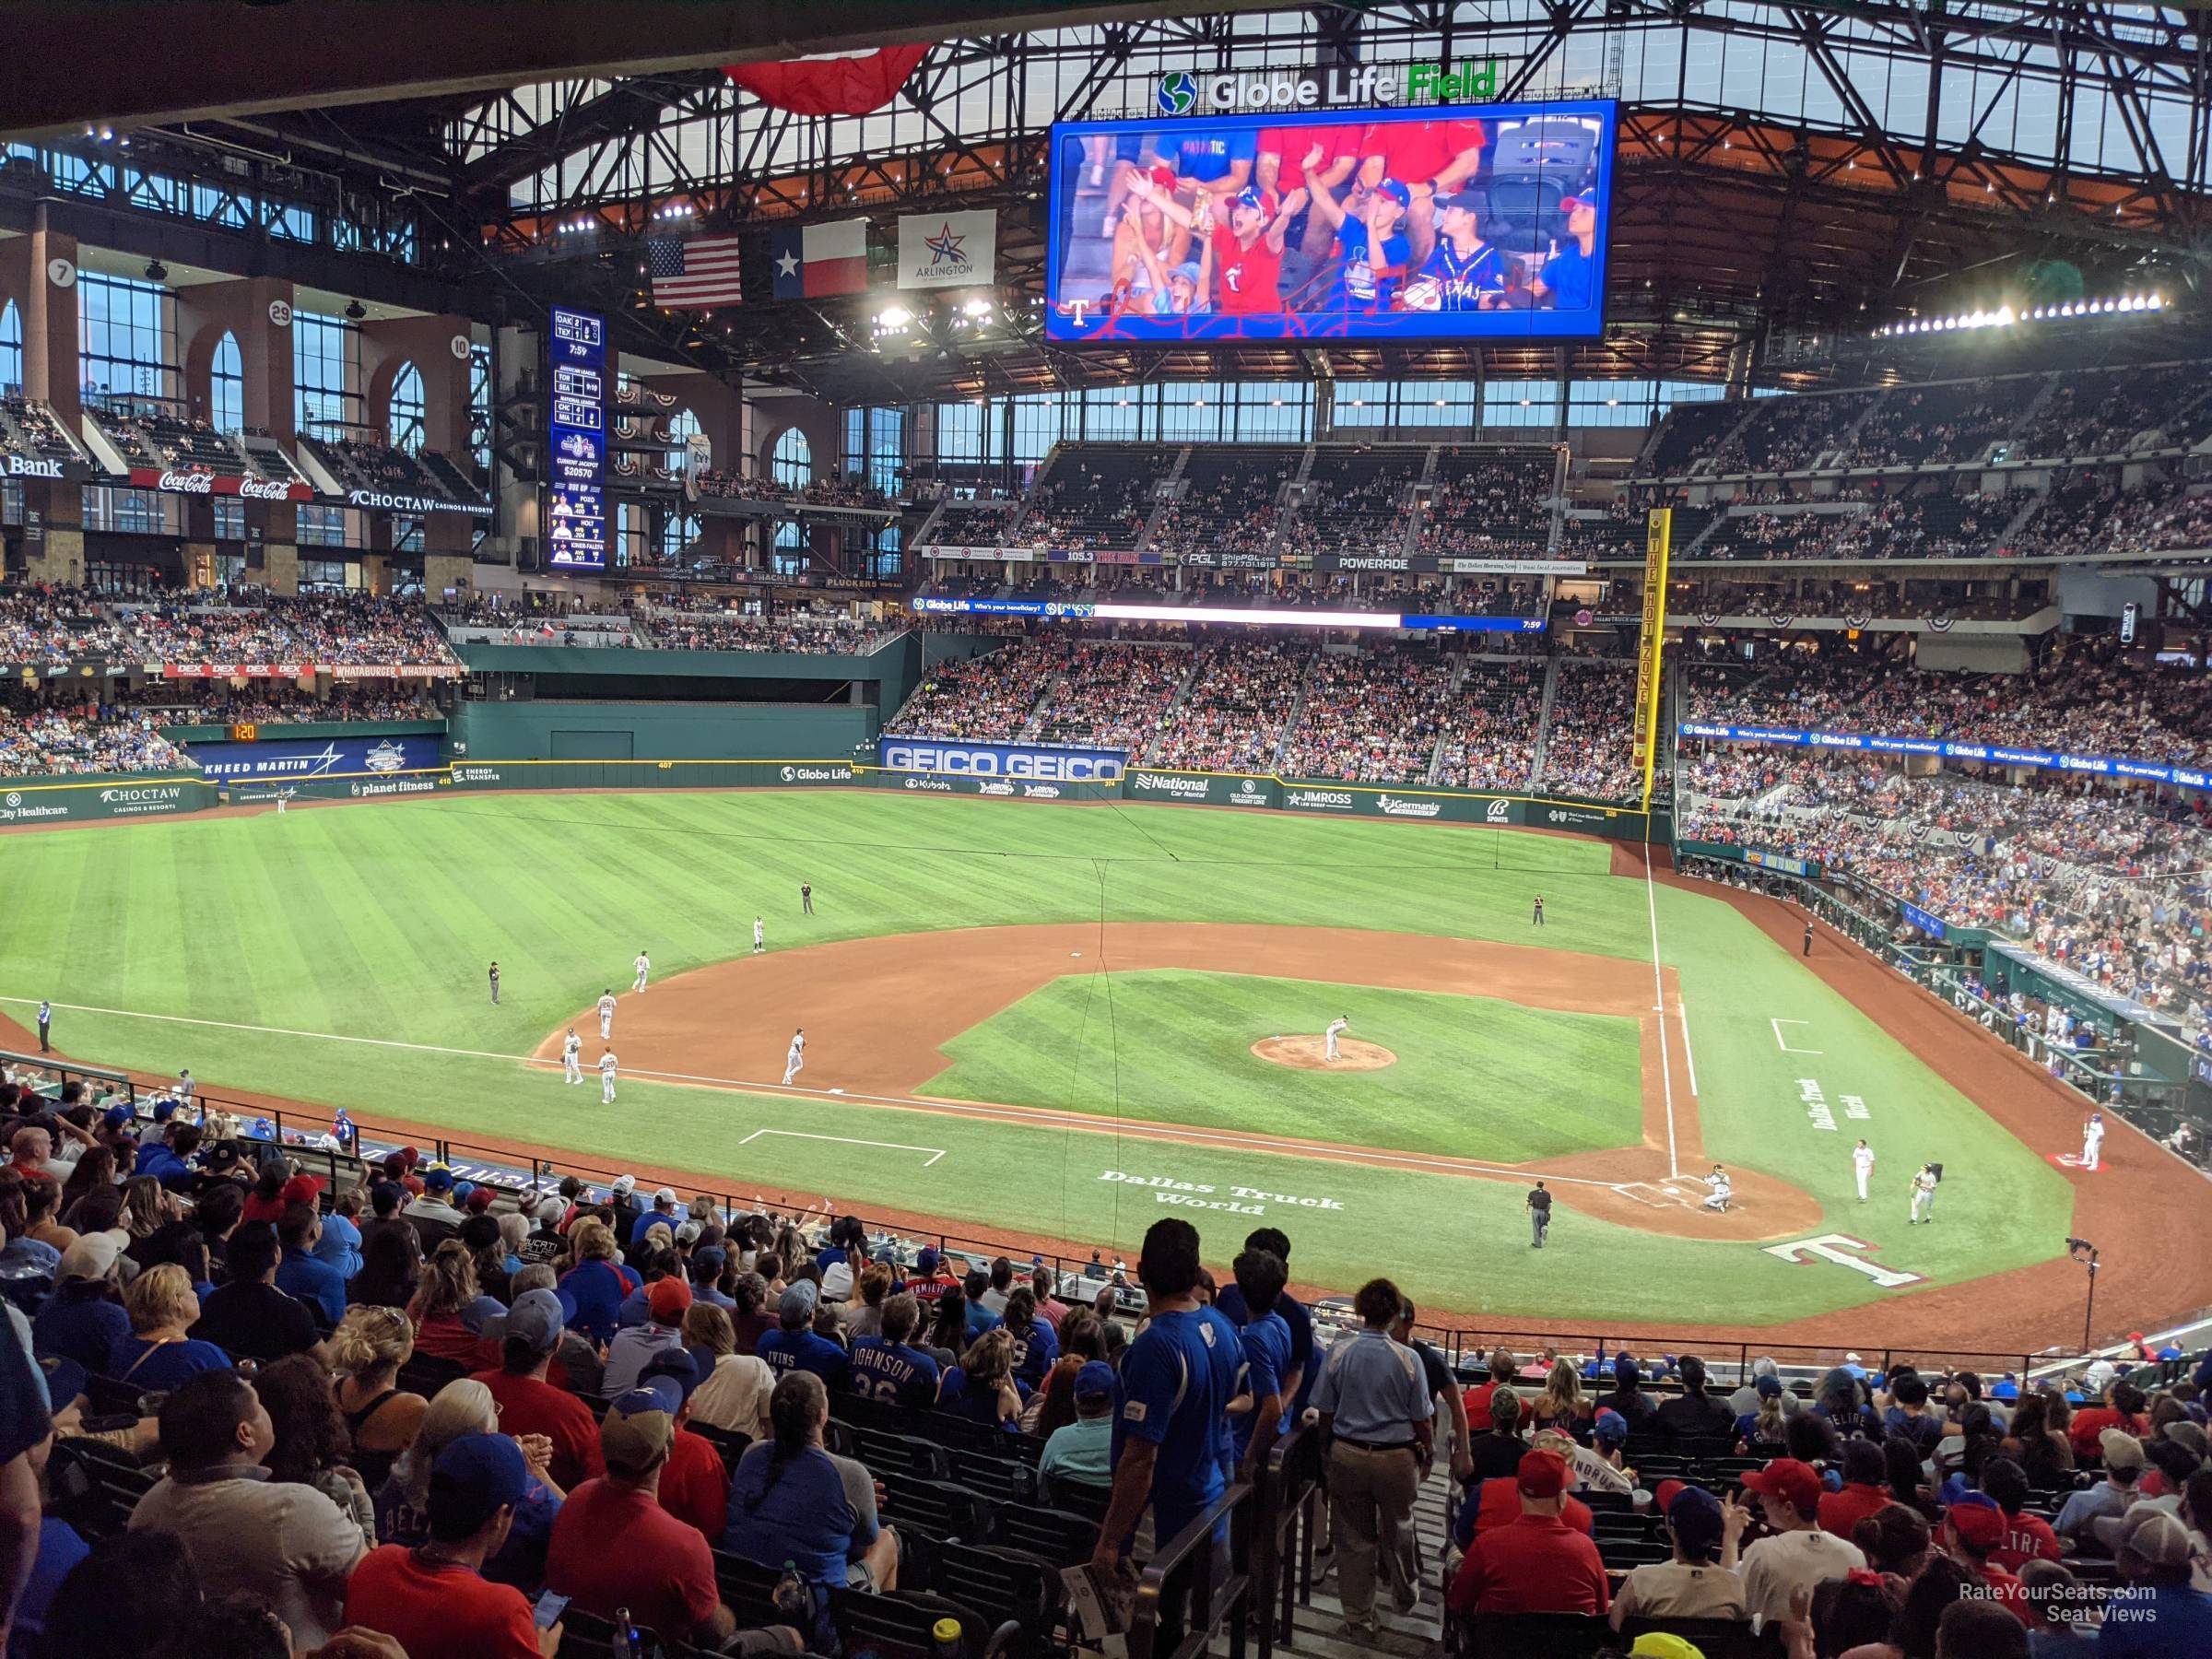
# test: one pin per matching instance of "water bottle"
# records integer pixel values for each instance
(794, 1598)
(945, 1640)
(625, 1643)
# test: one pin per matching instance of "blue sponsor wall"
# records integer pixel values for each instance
(302, 759)
(1031, 762)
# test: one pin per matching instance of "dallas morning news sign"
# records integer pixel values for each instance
(1994, 754)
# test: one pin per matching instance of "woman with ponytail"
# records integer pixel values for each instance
(792, 1501)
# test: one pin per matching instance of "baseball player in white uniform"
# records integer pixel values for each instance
(606, 1078)
(607, 1013)
(1719, 1194)
(759, 936)
(572, 1063)
(1335, 1031)
(2092, 1140)
(1923, 1195)
(644, 966)
(794, 1062)
(1862, 1165)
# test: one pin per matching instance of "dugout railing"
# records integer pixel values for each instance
(317, 1140)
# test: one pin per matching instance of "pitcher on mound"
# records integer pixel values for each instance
(1336, 1029)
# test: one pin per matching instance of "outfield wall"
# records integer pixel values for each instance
(78, 800)
(649, 733)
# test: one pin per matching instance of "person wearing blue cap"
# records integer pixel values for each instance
(1371, 246)
(433, 1599)
(1701, 1581)
(1081, 1453)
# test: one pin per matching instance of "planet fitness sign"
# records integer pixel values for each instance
(1994, 754)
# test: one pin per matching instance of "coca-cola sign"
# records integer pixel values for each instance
(187, 483)
(263, 490)
(219, 484)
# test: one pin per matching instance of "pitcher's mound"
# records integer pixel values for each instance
(1309, 1053)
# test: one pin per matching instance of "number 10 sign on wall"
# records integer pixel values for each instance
(576, 427)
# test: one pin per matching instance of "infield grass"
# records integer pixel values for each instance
(1474, 1077)
(378, 922)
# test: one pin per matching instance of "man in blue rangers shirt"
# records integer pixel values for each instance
(794, 1346)
(1171, 1423)
(1568, 282)
(1467, 271)
(1371, 244)
(1299, 1379)
(885, 1368)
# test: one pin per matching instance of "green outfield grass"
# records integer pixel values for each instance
(1475, 1077)
(377, 921)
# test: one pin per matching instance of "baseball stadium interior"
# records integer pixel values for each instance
(528, 484)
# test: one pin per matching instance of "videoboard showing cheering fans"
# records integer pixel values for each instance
(1463, 222)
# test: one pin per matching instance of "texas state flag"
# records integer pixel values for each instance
(813, 261)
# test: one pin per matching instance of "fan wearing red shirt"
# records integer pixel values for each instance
(1538, 1564)
(615, 1547)
(695, 1488)
(529, 1403)
(2122, 1409)
(434, 1600)
(1243, 246)
(2026, 1537)
(1863, 1493)
(1971, 1532)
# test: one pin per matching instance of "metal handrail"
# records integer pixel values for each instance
(1210, 1601)
(1284, 1532)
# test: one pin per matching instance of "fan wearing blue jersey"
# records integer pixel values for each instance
(1257, 1415)
(1467, 273)
(1371, 245)
(887, 1367)
(1177, 1378)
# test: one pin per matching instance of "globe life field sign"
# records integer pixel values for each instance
(1181, 92)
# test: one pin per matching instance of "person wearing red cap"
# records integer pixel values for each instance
(666, 1302)
(1539, 1564)
(1799, 1555)
(1971, 1530)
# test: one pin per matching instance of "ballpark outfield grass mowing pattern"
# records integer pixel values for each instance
(1474, 1077)
(378, 922)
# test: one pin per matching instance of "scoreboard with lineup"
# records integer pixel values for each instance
(576, 435)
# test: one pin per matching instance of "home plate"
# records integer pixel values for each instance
(837, 1091)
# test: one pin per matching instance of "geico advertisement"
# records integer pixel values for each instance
(1002, 761)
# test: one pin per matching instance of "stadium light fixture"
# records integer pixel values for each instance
(894, 316)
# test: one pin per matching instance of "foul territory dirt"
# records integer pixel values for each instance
(879, 1012)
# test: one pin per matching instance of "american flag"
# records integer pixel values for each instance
(703, 271)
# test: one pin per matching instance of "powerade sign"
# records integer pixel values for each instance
(303, 760)
(1994, 754)
(1024, 762)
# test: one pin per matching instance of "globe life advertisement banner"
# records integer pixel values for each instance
(1254, 207)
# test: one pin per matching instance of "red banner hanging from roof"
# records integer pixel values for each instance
(846, 86)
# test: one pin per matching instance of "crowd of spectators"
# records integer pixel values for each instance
(1110, 696)
(992, 698)
(799, 632)
(35, 742)
(1370, 717)
(377, 1422)
(1088, 498)
(1489, 508)
(1489, 726)
(248, 625)
(33, 431)
(1241, 697)
(1587, 743)
(271, 702)
(357, 464)
(48, 624)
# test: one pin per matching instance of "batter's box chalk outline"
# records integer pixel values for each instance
(1783, 1043)
(1639, 1191)
(2072, 1162)
(1837, 1248)
(847, 1140)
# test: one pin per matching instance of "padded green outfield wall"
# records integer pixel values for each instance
(65, 800)
(555, 730)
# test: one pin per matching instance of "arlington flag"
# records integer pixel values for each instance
(947, 250)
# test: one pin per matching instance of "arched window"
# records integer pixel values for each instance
(791, 463)
(404, 426)
(683, 426)
(227, 386)
(678, 531)
(11, 349)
